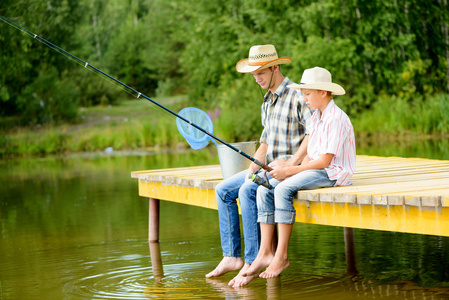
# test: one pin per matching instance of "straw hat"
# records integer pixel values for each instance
(261, 57)
(318, 79)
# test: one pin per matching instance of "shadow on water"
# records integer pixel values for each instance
(75, 228)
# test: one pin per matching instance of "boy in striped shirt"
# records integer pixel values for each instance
(330, 161)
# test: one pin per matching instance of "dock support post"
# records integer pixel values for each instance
(153, 220)
(351, 268)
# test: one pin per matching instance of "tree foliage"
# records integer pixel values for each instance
(373, 48)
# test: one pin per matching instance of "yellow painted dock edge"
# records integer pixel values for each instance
(400, 218)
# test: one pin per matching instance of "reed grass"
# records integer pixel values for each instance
(396, 116)
(132, 125)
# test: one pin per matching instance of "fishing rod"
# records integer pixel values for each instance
(139, 94)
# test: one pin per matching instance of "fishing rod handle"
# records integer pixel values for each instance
(262, 165)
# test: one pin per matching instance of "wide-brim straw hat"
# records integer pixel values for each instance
(261, 57)
(318, 79)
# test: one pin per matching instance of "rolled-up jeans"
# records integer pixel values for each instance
(227, 193)
(276, 205)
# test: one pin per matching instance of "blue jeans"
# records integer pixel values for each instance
(227, 193)
(276, 205)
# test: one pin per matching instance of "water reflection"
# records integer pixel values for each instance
(75, 228)
(274, 288)
(410, 146)
(156, 261)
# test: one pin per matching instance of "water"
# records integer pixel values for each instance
(75, 228)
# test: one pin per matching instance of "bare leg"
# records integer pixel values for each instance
(227, 264)
(280, 261)
(265, 254)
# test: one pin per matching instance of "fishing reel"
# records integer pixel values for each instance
(260, 180)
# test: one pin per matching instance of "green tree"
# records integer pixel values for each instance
(374, 49)
(24, 61)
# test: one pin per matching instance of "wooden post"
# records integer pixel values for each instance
(153, 220)
(351, 268)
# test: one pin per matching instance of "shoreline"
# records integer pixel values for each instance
(131, 126)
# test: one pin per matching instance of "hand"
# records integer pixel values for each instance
(279, 173)
(249, 172)
(278, 163)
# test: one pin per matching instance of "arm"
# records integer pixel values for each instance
(296, 159)
(283, 172)
(259, 155)
(299, 156)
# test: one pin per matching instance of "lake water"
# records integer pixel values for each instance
(75, 228)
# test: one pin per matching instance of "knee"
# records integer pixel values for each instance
(225, 192)
(260, 197)
(281, 191)
(248, 189)
(220, 190)
(247, 194)
(262, 194)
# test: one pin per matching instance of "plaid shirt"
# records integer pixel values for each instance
(286, 119)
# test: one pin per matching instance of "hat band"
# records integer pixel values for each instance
(263, 56)
(261, 63)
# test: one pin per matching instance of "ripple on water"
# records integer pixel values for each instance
(134, 282)
(186, 281)
(128, 277)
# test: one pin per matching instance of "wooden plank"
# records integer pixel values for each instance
(389, 193)
(371, 194)
(172, 171)
(398, 178)
(376, 180)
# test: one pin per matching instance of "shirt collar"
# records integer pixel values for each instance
(326, 114)
(279, 91)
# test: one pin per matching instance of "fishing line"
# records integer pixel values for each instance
(128, 89)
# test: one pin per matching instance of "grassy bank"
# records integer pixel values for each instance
(131, 125)
(396, 117)
(138, 125)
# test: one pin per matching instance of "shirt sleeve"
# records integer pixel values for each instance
(335, 135)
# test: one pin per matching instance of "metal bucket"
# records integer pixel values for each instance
(232, 162)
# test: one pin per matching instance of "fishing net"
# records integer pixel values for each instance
(195, 137)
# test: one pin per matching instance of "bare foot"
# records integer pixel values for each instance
(227, 264)
(275, 268)
(245, 267)
(261, 262)
(240, 280)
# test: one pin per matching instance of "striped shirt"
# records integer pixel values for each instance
(285, 118)
(333, 133)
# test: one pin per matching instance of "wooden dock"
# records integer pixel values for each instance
(388, 193)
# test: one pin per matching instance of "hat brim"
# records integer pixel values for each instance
(243, 66)
(334, 88)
